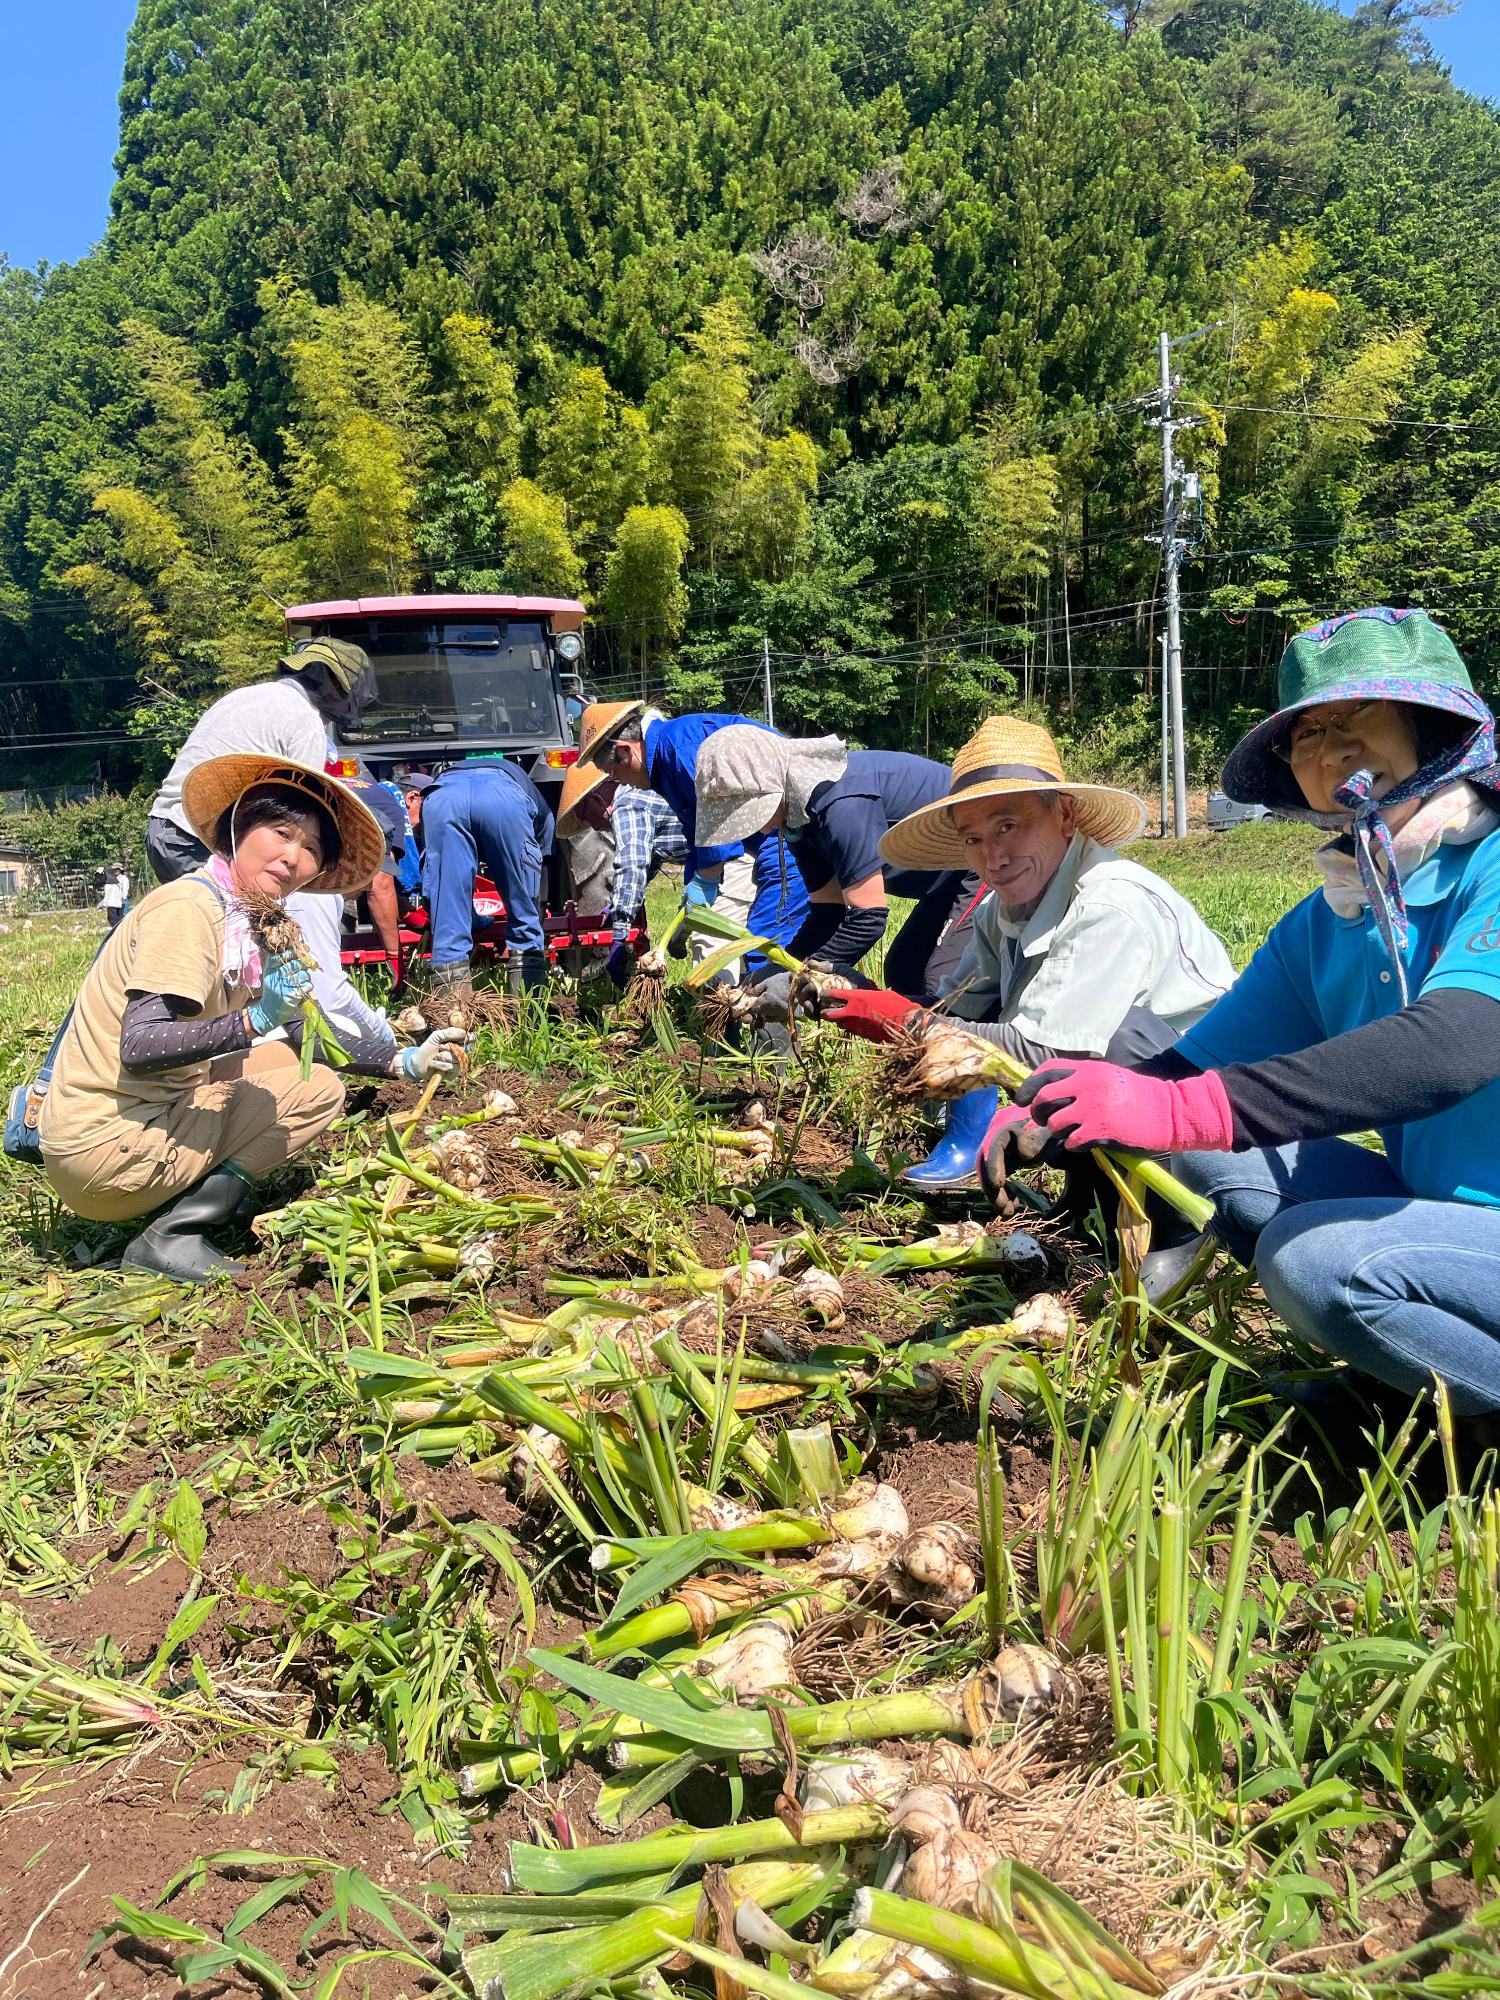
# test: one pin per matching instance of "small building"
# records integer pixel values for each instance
(16, 868)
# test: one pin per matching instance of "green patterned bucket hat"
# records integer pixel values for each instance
(1370, 655)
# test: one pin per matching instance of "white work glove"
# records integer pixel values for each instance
(442, 1054)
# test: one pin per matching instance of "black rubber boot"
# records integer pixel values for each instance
(173, 1244)
(1163, 1270)
(525, 972)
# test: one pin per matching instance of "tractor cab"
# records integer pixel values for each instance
(461, 676)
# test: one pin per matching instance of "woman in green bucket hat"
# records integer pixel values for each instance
(1374, 1003)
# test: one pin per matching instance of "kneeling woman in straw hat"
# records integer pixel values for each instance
(1074, 951)
(1374, 1003)
(836, 805)
(162, 1091)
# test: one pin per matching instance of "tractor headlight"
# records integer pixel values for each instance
(569, 647)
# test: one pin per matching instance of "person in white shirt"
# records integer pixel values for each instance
(321, 681)
(114, 897)
(1075, 951)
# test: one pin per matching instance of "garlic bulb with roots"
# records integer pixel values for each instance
(1042, 1321)
(410, 1021)
(481, 1253)
(458, 1160)
(870, 1524)
(924, 1812)
(857, 1778)
(933, 1567)
(539, 1446)
(821, 1294)
(1025, 1676)
(748, 1281)
(946, 1871)
(500, 1104)
(752, 1662)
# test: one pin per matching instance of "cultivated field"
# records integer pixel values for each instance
(611, 1540)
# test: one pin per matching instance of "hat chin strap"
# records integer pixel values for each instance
(1367, 824)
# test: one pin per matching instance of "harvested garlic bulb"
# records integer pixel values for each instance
(822, 1295)
(1042, 1321)
(459, 1160)
(932, 1567)
(924, 1812)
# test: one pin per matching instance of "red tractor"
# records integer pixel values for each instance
(462, 675)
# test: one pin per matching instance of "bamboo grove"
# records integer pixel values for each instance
(798, 323)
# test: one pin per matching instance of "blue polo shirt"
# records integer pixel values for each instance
(671, 748)
(1319, 975)
(848, 817)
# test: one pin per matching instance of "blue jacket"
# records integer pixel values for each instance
(671, 748)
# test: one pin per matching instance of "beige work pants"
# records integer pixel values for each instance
(254, 1110)
(736, 894)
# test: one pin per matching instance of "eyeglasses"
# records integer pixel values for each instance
(1304, 741)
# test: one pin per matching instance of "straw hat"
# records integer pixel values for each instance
(211, 788)
(601, 723)
(584, 777)
(1004, 756)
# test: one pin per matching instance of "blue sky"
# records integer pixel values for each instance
(58, 137)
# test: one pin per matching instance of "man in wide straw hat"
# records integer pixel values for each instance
(1075, 950)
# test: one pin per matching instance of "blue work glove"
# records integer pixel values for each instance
(701, 892)
(620, 964)
(284, 985)
(442, 1054)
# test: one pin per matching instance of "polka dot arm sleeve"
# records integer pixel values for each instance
(154, 1035)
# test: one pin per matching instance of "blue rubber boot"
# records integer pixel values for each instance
(953, 1163)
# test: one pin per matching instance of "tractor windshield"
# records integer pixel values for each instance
(469, 680)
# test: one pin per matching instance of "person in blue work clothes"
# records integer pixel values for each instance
(642, 834)
(486, 809)
(835, 805)
(1374, 1003)
(640, 746)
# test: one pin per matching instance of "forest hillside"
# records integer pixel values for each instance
(804, 322)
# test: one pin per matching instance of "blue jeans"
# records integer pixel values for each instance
(502, 816)
(1402, 1289)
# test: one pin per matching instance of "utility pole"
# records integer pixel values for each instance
(1171, 556)
(765, 676)
(1166, 743)
(1175, 485)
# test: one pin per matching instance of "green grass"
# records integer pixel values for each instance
(1240, 881)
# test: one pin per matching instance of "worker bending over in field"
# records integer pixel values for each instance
(836, 806)
(163, 1089)
(1075, 949)
(487, 809)
(639, 833)
(320, 682)
(639, 746)
(1374, 1003)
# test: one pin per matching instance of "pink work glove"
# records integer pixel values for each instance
(1100, 1104)
(1011, 1140)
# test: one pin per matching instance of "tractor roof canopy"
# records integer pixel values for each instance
(565, 613)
